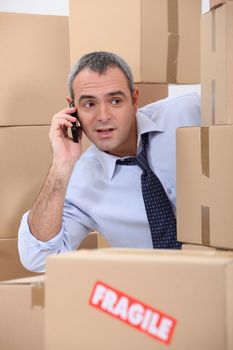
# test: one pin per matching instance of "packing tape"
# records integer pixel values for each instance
(172, 16)
(37, 295)
(205, 225)
(173, 40)
(205, 151)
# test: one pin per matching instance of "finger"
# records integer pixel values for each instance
(62, 123)
(68, 110)
(59, 116)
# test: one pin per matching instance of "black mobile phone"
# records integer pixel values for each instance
(75, 128)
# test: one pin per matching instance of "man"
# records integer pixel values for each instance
(94, 191)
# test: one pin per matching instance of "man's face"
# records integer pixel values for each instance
(107, 110)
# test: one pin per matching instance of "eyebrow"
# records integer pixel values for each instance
(92, 97)
(85, 97)
(118, 92)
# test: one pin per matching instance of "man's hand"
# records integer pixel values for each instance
(63, 148)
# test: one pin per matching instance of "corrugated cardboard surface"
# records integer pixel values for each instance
(94, 240)
(170, 41)
(204, 185)
(180, 284)
(10, 265)
(159, 39)
(22, 314)
(186, 246)
(149, 93)
(216, 66)
(34, 63)
(25, 158)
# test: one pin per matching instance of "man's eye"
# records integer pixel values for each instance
(88, 104)
(116, 101)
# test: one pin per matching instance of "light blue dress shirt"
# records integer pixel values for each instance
(107, 197)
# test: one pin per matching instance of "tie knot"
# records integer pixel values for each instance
(127, 161)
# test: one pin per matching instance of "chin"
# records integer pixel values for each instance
(106, 148)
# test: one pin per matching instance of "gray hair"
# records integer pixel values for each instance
(99, 62)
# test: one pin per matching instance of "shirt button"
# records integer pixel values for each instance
(169, 191)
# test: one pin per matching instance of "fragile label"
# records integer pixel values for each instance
(133, 312)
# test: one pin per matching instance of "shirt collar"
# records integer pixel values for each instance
(148, 124)
(144, 125)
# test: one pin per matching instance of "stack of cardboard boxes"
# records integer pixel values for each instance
(159, 39)
(204, 154)
(33, 86)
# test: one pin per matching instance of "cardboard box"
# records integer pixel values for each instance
(149, 93)
(10, 265)
(159, 39)
(186, 246)
(22, 314)
(216, 66)
(216, 3)
(25, 158)
(107, 296)
(34, 64)
(205, 186)
(94, 240)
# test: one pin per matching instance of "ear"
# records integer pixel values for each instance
(135, 96)
(69, 99)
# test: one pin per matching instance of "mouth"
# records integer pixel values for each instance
(105, 132)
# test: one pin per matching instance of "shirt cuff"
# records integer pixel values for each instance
(52, 244)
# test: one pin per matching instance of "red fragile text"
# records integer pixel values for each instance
(133, 312)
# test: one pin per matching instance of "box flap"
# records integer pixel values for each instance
(34, 280)
(150, 255)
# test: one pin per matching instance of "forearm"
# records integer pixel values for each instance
(45, 218)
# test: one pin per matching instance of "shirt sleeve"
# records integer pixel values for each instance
(33, 252)
(76, 224)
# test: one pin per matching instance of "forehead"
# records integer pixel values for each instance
(94, 83)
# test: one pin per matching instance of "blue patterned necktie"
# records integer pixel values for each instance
(161, 218)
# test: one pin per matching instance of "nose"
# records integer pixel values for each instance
(104, 113)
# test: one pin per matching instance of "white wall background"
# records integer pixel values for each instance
(42, 7)
(61, 7)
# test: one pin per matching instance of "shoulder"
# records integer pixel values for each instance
(183, 110)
